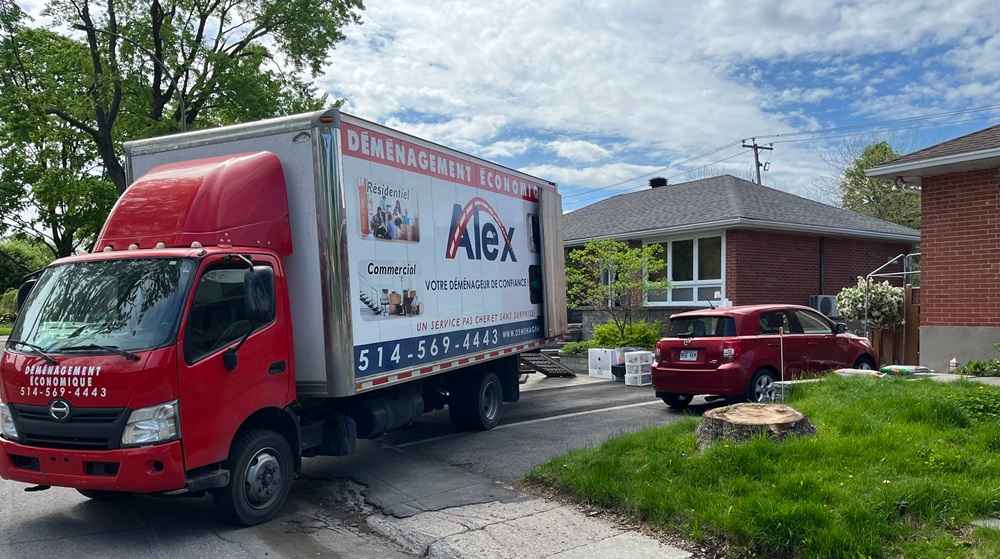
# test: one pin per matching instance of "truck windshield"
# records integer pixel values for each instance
(130, 305)
(702, 326)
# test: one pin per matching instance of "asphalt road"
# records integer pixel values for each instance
(426, 467)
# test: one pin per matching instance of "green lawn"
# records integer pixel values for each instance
(897, 468)
(4, 330)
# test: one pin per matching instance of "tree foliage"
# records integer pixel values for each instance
(882, 198)
(155, 67)
(130, 69)
(18, 258)
(612, 276)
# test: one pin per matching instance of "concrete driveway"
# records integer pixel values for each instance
(348, 507)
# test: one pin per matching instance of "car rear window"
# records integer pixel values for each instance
(702, 326)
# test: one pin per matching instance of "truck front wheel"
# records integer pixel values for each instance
(262, 469)
(476, 402)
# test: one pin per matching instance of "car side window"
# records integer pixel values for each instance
(771, 321)
(218, 312)
(812, 324)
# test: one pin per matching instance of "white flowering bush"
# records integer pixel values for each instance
(885, 303)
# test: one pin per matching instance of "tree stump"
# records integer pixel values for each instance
(741, 422)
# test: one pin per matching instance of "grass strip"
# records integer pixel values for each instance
(898, 468)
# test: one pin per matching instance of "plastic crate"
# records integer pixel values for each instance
(640, 379)
(638, 357)
(599, 362)
(638, 368)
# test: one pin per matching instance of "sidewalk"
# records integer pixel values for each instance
(534, 528)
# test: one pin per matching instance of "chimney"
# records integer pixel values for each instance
(657, 182)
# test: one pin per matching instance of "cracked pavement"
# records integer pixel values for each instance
(423, 491)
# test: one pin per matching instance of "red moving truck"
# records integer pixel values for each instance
(271, 291)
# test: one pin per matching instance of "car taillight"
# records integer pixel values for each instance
(656, 353)
(730, 350)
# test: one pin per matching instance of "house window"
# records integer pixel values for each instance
(694, 271)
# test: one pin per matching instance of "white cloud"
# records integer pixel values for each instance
(595, 176)
(578, 150)
(507, 148)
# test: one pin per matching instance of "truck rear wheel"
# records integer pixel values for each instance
(262, 469)
(476, 403)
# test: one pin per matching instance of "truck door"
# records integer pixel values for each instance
(214, 399)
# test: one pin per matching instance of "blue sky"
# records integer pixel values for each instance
(598, 96)
(589, 94)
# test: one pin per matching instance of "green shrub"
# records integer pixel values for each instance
(983, 368)
(577, 348)
(640, 333)
(7, 302)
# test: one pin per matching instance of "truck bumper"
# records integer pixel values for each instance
(152, 469)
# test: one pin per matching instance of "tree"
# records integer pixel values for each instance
(153, 67)
(882, 198)
(612, 276)
(18, 258)
(51, 188)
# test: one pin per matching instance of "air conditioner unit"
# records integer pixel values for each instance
(826, 304)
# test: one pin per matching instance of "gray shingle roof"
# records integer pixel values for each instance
(722, 200)
(988, 138)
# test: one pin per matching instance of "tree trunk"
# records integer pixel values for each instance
(741, 422)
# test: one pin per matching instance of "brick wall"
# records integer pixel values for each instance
(960, 249)
(773, 267)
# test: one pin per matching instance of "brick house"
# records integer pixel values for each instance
(746, 242)
(960, 247)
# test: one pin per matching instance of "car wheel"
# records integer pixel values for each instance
(760, 386)
(677, 401)
(262, 468)
(864, 362)
(102, 495)
(476, 403)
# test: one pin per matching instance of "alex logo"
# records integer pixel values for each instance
(483, 241)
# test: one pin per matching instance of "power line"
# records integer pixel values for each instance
(653, 172)
(884, 123)
(889, 125)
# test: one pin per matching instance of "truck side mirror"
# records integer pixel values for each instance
(23, 291)
(258, 284)
(840, 328)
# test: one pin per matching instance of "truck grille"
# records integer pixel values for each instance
(85, 429)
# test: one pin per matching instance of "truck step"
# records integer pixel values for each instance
(537, 362)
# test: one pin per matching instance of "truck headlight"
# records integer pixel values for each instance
(151, 425)
(7, 427)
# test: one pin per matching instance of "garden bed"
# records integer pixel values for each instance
(897, 468)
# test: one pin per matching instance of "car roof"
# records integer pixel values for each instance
(741, 310)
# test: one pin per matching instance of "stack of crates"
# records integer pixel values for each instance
(638, 368)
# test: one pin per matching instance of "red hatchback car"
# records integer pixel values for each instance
(737, 352)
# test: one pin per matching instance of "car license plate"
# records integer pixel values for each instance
(689, 355)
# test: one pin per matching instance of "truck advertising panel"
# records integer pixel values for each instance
(445, 252)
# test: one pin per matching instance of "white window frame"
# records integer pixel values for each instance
(696, 282)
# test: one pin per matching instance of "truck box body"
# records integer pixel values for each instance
(409, 258)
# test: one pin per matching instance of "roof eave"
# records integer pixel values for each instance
(749, 223)
(968, 161)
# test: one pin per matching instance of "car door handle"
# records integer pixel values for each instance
(276, 368)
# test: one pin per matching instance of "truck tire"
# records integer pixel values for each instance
(476, 403)
(261, 470)
(95, 495)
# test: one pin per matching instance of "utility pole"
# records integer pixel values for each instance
(756, 154)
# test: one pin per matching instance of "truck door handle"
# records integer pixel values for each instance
(276, 368)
